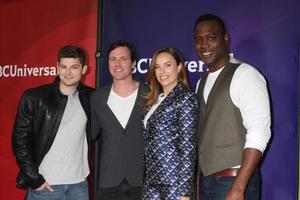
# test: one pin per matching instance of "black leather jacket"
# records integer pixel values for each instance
(37, 121)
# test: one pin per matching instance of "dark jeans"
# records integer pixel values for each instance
(215, 187)
(78, 191)
(121, 192)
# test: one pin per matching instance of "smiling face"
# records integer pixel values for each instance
(166, 71)
(211, 44)
(120, 63)
(70, 72)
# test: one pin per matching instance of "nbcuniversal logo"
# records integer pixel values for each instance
(192, 66)
(17, 71)
(144, 63)
(11, 71)
(142, 66)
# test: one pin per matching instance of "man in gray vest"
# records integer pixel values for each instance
(234, 120)
(117, 122)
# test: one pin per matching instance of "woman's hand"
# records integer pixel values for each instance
(184, 198)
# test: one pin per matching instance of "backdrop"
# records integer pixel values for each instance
(263, 33)
(31, 33)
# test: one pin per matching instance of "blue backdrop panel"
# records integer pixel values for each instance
(263, 33)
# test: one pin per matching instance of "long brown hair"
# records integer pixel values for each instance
(154, 86)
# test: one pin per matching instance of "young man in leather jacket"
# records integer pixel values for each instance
(51, 133)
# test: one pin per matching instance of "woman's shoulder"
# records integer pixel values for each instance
(187, 96)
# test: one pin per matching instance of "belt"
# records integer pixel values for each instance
(228, 172)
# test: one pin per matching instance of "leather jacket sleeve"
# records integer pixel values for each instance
(95, 126)
(23, 143)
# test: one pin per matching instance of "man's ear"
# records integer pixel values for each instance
(57, 68)
(226, 38)
(133, 65)
(84, 69)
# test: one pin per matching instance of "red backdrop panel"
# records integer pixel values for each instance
(31, 33)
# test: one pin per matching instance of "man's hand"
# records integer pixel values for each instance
(251, 158)
(235, 195)
(45, 186)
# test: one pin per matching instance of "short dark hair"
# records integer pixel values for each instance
(71, 51)
(211, 17)
(122, 43)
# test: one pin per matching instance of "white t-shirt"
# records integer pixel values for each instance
(121, 106)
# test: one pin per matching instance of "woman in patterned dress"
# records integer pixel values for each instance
(170, 129)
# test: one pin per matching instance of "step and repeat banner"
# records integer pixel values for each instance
(265, 34)
(32, 32)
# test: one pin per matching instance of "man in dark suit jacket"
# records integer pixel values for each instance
(117, 124)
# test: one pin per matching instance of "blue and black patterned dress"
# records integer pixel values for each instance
(170, 147)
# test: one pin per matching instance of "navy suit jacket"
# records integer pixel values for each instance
(170, 142)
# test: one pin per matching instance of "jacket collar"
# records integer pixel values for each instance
(175, 92)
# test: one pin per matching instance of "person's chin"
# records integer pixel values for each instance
(163, 82)
(70, 83)
(207, 61)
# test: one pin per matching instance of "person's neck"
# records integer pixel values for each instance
(219, 65)
(124, 88)
(67, 90)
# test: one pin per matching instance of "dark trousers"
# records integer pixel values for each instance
(215, 187)
(121, 192)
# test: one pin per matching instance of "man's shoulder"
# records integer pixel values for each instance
(241, 63)
(243, 67)
(39, 90)
(100, 92)
(247, 73)
(87, 89)
(185, 94)
(143, 87)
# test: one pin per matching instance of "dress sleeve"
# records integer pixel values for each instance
(188, 128)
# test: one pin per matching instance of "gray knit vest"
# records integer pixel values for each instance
(222, 135)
